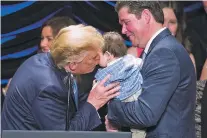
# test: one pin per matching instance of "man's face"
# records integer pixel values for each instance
(132, 27)
(88, 64)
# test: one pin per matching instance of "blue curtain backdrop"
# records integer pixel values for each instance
(21, 22)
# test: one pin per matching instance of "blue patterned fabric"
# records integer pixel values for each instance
(125, 70)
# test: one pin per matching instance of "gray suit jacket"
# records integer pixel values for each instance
(166, 106)
(37, 100)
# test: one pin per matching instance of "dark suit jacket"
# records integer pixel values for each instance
(37, 99)
(85, 83)
(166, 106)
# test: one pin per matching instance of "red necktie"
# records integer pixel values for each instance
(139, 51)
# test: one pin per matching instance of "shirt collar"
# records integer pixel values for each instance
(151, 39)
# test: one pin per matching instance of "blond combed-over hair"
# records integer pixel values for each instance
(72, 43)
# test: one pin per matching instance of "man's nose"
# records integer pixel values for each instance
(124, 30)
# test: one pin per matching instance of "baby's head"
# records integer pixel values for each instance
(114, 47)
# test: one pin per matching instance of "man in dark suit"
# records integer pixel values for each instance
(40, 96)
(165, 108)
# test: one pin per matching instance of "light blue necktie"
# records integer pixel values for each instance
(75, 91)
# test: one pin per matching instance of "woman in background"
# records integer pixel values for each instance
(176, 27)
(50, 29)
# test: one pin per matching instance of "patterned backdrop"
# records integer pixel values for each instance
(21, 22)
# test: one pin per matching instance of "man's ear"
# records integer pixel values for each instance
(71, 66)
(146, 14)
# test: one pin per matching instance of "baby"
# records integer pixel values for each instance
(123, 68)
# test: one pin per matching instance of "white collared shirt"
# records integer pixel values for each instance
(151, 39)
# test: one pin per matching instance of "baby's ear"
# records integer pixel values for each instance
(109, 56)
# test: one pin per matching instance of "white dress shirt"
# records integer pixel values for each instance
(151, 39)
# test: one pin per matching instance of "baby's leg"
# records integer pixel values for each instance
(132, 98)
(136, 133)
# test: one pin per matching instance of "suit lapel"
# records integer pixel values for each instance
(157, 39)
